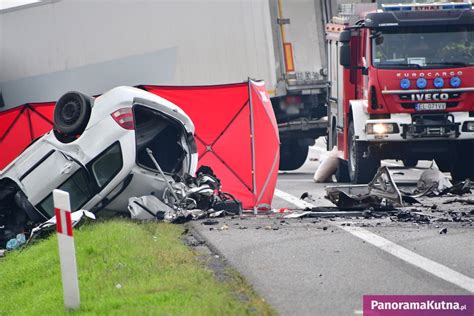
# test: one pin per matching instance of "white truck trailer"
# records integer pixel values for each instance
(55, 46)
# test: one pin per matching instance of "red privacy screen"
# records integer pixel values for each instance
(236, 134)
(20, 126)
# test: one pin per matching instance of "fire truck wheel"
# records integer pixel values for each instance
(461, 169)
(410, 162)
(292, 155)
(361, 169)
(444, 164)
(342, 172)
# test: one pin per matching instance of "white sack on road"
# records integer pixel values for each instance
(327, 167)
(433, 179)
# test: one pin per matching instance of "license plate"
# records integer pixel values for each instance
(430, 106)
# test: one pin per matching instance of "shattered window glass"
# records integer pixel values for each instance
(79, 192)
(107, 165)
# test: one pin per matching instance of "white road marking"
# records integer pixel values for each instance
(394, 249)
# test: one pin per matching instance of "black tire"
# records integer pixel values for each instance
(71, 114)
(292, 155)
(361, 169)
(342, 172)
(443, 164)
(410, 162)
(461, 167)
(460, 172)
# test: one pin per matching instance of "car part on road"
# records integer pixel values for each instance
(410, 162)
(379, 193)
(47, 227)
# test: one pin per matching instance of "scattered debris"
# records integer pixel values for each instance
(433, 181)
(443, 231)
(185, 199)
(224, 227)
(47, 227)
(462, 201)
(305, 195)
(327, 166)
(210, 222)
(17, 242)
(381, 192)
(2, 252)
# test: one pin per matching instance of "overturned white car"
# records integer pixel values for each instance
(99, 152)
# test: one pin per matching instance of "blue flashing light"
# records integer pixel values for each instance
(435, 6)
(455, 82)
(438, 82)
(405, 83)
(421, 83)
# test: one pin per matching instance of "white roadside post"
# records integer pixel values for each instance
(67, 251)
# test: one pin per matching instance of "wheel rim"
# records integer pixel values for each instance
(351, 154)
(70, 112)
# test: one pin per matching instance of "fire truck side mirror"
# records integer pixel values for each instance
(345, 55)
(345, 49)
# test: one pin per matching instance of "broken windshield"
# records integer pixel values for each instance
(423, 47)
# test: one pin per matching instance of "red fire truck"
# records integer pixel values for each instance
(402, 87)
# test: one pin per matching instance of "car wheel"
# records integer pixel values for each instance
(292, 155)
(361, 169)
(410, 162)
(71, 114)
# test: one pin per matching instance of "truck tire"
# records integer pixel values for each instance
(72, 113)
(292, 155)
(461, 168)
(342, 172)
(361, 169)
(444, 164)
(410, 162)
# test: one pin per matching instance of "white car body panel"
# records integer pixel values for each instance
(101, 132)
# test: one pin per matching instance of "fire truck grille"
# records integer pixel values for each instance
(431, 125)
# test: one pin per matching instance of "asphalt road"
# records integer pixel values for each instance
(324, 267)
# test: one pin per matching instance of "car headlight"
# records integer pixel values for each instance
(381, 128)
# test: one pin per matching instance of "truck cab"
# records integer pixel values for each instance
(402, 87)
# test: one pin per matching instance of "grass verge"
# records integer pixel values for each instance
(124, 268)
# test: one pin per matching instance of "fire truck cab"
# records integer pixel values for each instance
(402, 87)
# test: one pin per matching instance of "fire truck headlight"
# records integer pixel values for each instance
(381, 128)
(421, 83)
(455, 82)
(468, 127)
(405, 83)
(438, 82)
